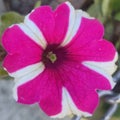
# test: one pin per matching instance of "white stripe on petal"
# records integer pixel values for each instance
(104, 68)
(65, 107)
(68, 107)
(84, 14)
(71, 23)
(74, 23)
(30, 34)
(109, 67)
(33, 27)
(102, 72)
(26, 74)
(26, 70)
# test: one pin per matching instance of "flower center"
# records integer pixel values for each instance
(53, 56)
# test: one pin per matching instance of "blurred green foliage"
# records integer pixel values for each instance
(3, 73)
(114, 5)
(117, 16)
(8, 19)
(105, 9)
(37, 4)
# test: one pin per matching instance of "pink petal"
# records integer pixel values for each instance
(45, 89)
(22, 50)
(90, 30)
(28, 92)
(100, 50)
(82, 84)
(62, 16)
(43, 17)
(53, 24)
(74, 24)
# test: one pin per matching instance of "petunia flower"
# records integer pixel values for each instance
(59, 59)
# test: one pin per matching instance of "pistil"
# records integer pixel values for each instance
(51, 56)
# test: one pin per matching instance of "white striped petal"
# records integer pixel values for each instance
(26, 70)
(84, 14)
(28, 73)
(71, 22)
(109, 67)
(74, 23)
(104, 68)
(31, 34)
(68, 107)
(65, 107)
(33, 27)
(102, 72)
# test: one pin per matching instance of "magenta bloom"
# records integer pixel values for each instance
(59, 60)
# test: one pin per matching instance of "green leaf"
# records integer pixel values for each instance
(106, 8)
(8, 19)
(109, 29)
(95, 10)
(115, 5)
(118, 44)
(37, 4)
(3, 72)
(117, 16)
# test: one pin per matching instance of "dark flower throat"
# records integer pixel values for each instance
(53, 56)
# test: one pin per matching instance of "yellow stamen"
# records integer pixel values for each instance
(51, 56)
